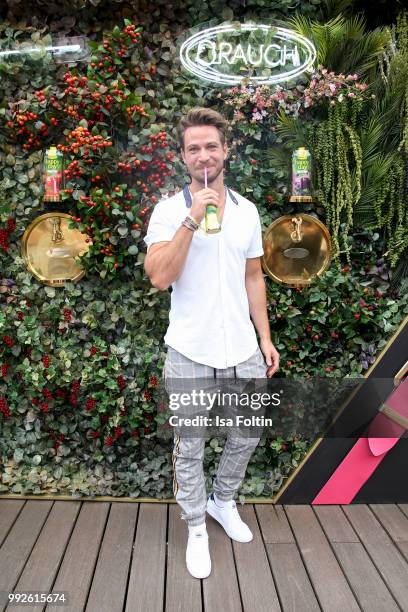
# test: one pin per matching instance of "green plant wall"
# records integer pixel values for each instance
(81, 364)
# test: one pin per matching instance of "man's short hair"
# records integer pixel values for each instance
(202, 116)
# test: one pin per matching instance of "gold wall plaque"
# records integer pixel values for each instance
(297, 248)
(49, 249)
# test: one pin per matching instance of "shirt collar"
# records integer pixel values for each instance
(188, 199)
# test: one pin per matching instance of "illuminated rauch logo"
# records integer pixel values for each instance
(228, 53)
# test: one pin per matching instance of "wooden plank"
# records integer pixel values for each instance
(335, 524)
(403, 547)
(275, 527)
(76, 571)
(256, 583)
(19, 542)
(183, 592)
(292, 582)
(330, 585)
(9, 511)
(387, 559)
(108, 589)
(369, 588)
(220, 589)
(146, 583)
(404, 508)
(394, 521)
(44, 560)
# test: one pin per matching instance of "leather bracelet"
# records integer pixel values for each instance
(192, 221)
(189, 222)
(186, 224)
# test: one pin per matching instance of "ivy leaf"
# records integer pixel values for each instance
(227, 14)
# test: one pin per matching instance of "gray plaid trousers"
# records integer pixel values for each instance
(188, 453)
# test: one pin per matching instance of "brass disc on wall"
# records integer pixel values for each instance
(49, 248)
(297, 248)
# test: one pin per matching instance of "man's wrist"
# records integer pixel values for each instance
(190, 224)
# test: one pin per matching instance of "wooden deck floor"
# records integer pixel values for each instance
(111, 556)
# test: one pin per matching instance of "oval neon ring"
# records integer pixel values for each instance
(206, 38)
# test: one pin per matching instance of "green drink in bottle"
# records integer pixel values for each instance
(212, 225)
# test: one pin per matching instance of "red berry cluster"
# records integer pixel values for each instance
(73, 170)
(147, 395)
(4, 370)
(153, 381)
(74, 82)
(130, 30)
(124, 168)
(5, 234)
(93, 350)
(9, 341)
(46, 361)
(121, 382)
(40, 96)
(135, 108)
(22, 120)
(81, 137)
(4, 409)
(67, 314)
(47, 394)
(75, 386)
(90, 403)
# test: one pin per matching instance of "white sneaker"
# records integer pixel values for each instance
(229, 518)
(198, 558)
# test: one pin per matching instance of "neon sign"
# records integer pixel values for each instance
(266, 54)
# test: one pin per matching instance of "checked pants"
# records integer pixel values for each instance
(188, 452)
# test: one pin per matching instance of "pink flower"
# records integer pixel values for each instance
(332, 88)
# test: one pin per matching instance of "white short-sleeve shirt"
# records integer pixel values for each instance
(209, 316)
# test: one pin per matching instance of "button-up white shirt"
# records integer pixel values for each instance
(209, 316)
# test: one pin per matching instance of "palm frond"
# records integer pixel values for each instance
(278, 157)
(344, 45)
(293, 131)
(374, 174)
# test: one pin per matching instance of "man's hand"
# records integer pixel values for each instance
(271, 357)
(201, 199)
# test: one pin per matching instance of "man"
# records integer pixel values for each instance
(217, 285)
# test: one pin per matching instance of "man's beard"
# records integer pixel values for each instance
(199, 177)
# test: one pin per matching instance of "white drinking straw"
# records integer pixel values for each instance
(205, 177)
